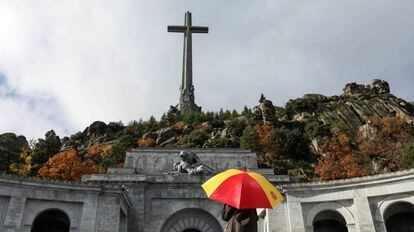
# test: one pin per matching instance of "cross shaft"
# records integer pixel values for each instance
(187, 103)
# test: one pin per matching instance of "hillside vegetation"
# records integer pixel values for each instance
(364, 131)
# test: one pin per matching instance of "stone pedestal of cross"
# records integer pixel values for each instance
(187, 104)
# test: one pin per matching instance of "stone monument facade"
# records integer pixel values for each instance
(187, 103)
(145, 196)
(166, 201)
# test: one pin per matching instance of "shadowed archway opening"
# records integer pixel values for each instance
(52, 220)
(191, 220)
(399, 217)
(329, 221)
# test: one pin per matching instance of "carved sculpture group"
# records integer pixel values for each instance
(191, 164)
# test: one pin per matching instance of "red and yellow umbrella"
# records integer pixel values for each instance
(242, 189)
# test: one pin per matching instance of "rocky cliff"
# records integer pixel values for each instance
(353, 108)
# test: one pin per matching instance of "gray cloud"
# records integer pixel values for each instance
(114, 60)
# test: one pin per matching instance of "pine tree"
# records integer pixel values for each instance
(46, 148)
(250, 139)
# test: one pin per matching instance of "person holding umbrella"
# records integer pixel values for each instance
(241, 192)
(239, 220)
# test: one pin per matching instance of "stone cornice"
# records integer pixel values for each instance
(196, 150)
(380, 179)
(172, 179)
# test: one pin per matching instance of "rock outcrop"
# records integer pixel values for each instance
(165, 134)
(355, 107)
(265, 111)
(98, 132)
(376, 87)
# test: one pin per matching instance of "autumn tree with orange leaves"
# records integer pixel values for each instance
(98, 152)
(145, 143)
(340, 160)
(268, 147)
(68, 166)
(384, 140)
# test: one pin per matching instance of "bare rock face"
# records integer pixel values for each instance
(368, 132)
(315, 146)
(353, 89)
(169, 142)
(215, 135)
(302, 117)
(354, 108)
(376, 87)
(97, 132)
(314, 96)
(165, 134)
(265, 111)
(380, 86)
(149, 135)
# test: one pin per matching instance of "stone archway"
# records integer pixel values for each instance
(329, 221)
(191, 220)
(51, 220)
(399, 217)
(329, 210)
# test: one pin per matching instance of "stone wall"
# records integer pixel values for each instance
(88, 207)
(4, 205)
(162, 202)
(160, 161)
(362, 202)
(33, 207)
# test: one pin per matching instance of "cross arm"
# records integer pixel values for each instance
(197, 29)
(176, 28)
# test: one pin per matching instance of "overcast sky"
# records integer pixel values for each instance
(65, 64)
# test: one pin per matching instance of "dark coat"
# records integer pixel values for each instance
(239, 220)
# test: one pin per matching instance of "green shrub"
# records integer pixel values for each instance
(115, 156)
(300, 105)
(291, 144)
(407, 156)
(46, 148)
(314, 129)
(250, 139)
(236, 127)
(196, 137)
(10, 149)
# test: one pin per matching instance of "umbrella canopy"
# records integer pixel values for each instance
(242, 189)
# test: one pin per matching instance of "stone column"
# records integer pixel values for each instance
(108, 214)
(136, 215)
(277, 218)
(363, 215)
(14, 215)
(89, 211)
(294, 213)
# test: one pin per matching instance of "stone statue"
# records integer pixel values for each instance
(190, 163)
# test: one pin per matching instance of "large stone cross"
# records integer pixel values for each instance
(187, 104)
